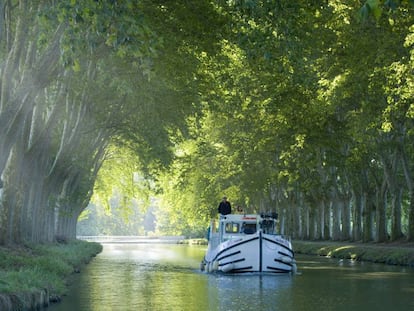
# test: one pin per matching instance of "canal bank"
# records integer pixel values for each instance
(33, 276)
(396, 253)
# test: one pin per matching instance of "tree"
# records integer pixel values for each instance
(53, 133)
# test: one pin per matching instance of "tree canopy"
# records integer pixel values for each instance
(300, 107)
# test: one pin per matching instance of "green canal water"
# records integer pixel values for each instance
(166, 277)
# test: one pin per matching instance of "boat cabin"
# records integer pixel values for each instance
(233, 226)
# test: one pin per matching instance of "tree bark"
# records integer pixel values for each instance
(337, 207)
(410, 186)
(346, 220)
(390, 164)
(357, 215)
(381, 207)
(367, 223)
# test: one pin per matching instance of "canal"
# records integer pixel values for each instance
(166, 277)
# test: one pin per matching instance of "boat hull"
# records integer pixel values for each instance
(257, 252)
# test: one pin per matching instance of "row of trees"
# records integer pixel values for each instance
(307, 110)
(303, 107)
(71, 73)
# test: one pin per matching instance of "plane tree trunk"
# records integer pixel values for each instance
(407, 168)
(395, 192)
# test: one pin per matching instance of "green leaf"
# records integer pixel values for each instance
(363, 13)
(376, 8)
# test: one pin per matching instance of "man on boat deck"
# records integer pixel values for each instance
(224, 207)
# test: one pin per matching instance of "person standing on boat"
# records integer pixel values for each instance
(224, 207)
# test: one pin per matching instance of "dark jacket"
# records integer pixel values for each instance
(224, 208)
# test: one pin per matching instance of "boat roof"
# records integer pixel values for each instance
(241, 217)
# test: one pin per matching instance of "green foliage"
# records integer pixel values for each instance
(121, 27)
(376, 8)
(274, 107)
(133, 219)
(276, 104)
(283, 112)
(119, 171)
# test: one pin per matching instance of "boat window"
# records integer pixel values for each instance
(248, 228)
(232, 227)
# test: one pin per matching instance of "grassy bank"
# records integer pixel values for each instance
(387, 253)
(33, 275)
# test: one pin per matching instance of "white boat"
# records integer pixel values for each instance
(248, 243)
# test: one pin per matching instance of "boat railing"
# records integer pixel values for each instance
(214, 240)
(286, 237)
(283, 236)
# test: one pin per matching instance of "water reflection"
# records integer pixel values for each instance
(349, 285)
(167, 277)
(157, 277)
(249, 292)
